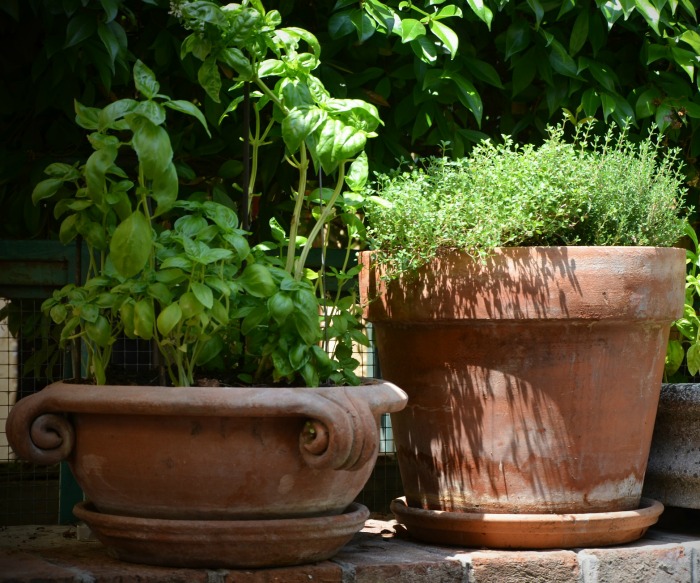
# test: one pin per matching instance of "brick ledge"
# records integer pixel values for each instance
(379, 554)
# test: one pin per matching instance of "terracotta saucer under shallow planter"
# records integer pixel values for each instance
(223, 543)
(527, 531)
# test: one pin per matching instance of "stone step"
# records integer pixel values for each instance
(381, 553)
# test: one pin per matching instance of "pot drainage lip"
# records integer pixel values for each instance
(527, 531)
(223, 543)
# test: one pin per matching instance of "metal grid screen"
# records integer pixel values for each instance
(29, 494)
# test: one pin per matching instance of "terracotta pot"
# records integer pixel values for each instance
(673, 473)
(208, 454)
(533, 378)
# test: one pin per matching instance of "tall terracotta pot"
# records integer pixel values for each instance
(533, 380)
(202, 476)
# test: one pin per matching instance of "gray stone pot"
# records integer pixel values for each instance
(673, 472)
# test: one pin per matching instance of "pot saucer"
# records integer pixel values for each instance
(223, 543)
(527, 531)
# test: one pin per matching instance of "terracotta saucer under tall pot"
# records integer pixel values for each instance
(212, 476)
(533, 380)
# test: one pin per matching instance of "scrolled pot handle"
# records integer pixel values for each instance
(343, 437)
(38, 435)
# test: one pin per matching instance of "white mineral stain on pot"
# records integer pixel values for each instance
(286, 484)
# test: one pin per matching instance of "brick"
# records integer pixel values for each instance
(20, 567)
(522, 566)
(380, 557)
(325, 572)
(651, 563)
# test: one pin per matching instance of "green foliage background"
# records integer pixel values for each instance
(440, 71)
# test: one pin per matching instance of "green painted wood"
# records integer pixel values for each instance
(33, 269)
(70, 494)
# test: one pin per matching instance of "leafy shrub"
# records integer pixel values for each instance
(588, 191)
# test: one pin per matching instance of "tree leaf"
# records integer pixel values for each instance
(561, 61)
(579, 33)
(517, 37)
(411, 29)
(82, 26)
(481, 10)
(650, 13)
(340, 24)
(447, 36)
(363, 24)
(537, 9)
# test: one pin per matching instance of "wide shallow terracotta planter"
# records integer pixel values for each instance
(673, 473)
(533, 378)
(238, 472)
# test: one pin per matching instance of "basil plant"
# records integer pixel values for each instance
(183, 273)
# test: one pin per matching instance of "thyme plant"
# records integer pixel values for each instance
(588, 191)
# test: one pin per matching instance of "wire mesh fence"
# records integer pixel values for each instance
(29, 360)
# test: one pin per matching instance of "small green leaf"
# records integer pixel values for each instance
(674, 357)
(210, 348)
(164, 189)
(46, 189)
(99, 331)
(257, 281)
(189, 109)
(693, 359)
(144, 319)
(160, 292)
(152, 145)
(145, 80)
(280, 306)
(169, 318)
(190, 305)
(299, 124)
(358, 173)
(86, 117)
(338, 142)
(96, 168)
(203, 294)
(210, 79)
(132, 244)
